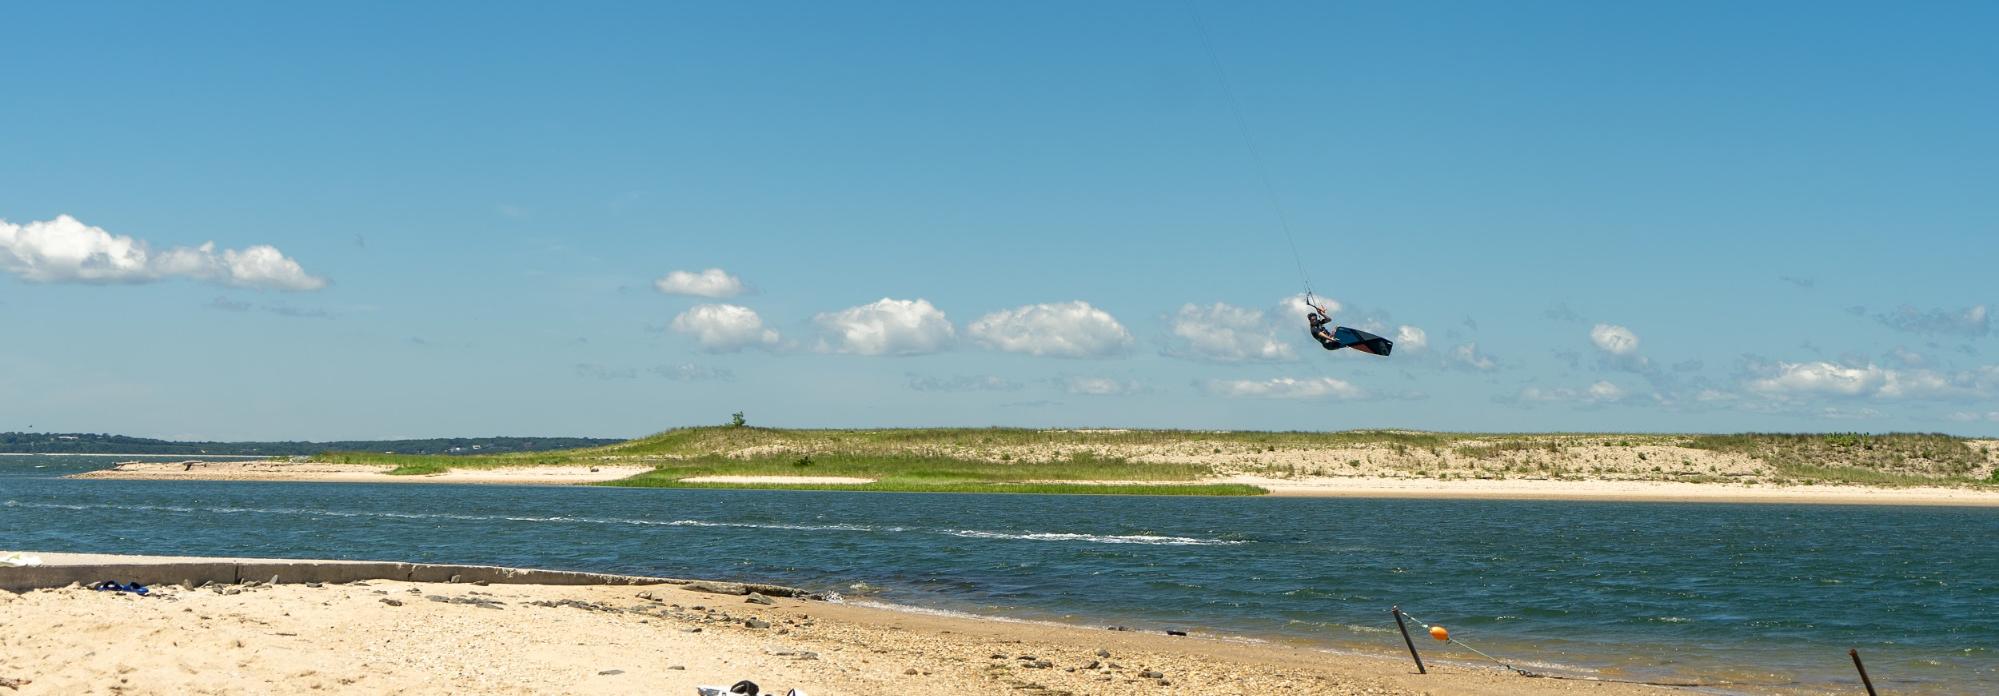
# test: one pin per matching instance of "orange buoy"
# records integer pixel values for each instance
(1439, 633)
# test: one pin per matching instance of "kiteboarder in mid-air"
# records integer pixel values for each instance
(1335, 338)
(1319, 318)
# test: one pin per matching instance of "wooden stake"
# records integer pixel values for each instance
(1397, 611)
(1869, 683)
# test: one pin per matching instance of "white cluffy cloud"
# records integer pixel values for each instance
(1467, 355)
(65, 250)
(1599, 393)
(1225, 333)
(1101, 386)
(1411, 338)
(1285, 388)
(1613, 339)
(1296, 307)
(725, 328)
(713, 282)
(1786, 379)
(1066, 330)
(886, 327)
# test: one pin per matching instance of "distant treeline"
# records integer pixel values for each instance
(98, 443)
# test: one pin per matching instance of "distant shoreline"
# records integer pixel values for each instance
(110, 454)
(1323, 487)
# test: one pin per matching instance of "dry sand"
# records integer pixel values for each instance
(1650, 491)
(270, 470)
(628, 640)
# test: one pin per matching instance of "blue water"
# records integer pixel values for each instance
(1744, 594)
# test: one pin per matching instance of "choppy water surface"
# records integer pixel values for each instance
(1755, 594)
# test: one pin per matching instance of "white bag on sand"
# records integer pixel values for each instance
(16, 560)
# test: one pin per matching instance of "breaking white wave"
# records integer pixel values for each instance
(1095, 538)
(1141, 539)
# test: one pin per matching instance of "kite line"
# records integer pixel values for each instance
(1255, 154)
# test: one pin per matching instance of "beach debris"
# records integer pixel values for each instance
(1150, 674)
(696, 629)
(756, 623)
(18, 560)
(14, 683)
(799, 654)
(759, 598)
(610, 672)
(1172, 632)
(454, 579)
(114, 586)
(911, 672)
(741, 688)
(274, 579)
(1103, 653)
(392, 602)
(575, 604)
(729, 588)
(1093, 665)
(314, 585)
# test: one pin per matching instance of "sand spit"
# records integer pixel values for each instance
(393, 636)
(1548, 467)
(272, 470)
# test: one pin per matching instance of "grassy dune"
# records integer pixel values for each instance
(1189, 462)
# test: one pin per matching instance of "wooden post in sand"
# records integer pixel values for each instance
(1869, 683)
(1397, 611)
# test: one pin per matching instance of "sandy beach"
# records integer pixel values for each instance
(271, 470)
(1323, 487)
(1644, 491)
(384, 636)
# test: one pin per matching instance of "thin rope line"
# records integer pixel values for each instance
(1256, 155)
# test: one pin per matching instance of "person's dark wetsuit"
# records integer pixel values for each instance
(1320, 331)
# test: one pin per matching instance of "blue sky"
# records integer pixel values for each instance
(466, 220)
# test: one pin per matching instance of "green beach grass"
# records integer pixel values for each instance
(1018, 460)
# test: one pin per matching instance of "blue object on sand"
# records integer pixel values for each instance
(113, 586)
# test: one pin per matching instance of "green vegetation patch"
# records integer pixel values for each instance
(420, 464)
(919, 486)
(931, 474)
(1894, 459)
(689, 442)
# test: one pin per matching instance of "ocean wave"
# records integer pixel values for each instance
(1139, 539)
(1094, 538)
(448, 516)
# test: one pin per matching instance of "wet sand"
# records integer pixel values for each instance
(391, 636)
